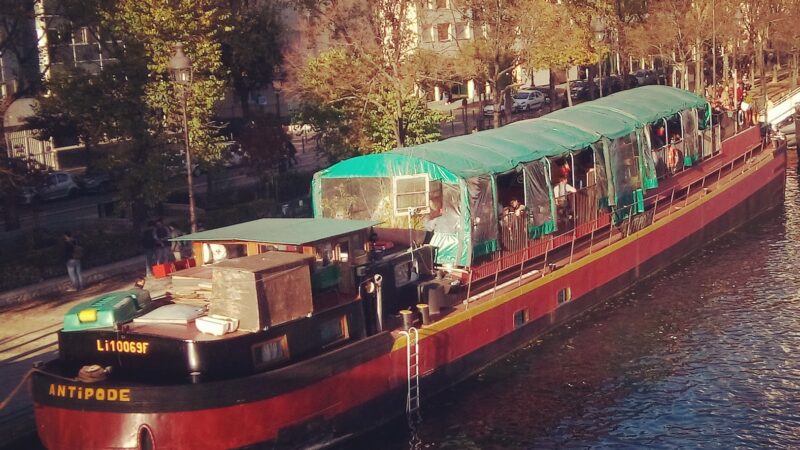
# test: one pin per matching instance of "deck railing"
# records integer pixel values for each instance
(536, 256)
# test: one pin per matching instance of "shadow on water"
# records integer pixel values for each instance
(703, 354)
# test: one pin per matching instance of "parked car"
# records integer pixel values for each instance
(645, 77)
(98, 182)
(579, 90)
(528, 99)
(55, 185)
(545, 90)
(488, 110)
(232, 156)
(611, 84)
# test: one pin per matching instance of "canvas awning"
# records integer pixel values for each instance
(281, 231)
(501, 150)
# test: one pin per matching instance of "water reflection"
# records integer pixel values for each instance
(705, 354)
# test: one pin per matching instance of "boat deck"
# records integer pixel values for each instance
(673, 195)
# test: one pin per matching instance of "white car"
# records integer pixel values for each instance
(528, 99)
(488, 110)
(56, 185)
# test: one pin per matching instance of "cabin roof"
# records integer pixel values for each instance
(501, 150)
(281, 231)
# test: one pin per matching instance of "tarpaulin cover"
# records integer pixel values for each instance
(473, 161)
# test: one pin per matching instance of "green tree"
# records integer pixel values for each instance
(252, 47)
(364, 88)
(494, 51)
(197, 24)
(557, 38)
(15, 173)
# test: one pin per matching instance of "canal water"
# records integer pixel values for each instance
(705, 354)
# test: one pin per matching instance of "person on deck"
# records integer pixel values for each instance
(561, 192)
(515, 207)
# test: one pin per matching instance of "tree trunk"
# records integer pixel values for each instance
(685, 75)
(725, 66)
(497, 100)
(553, 94)
(244, 102)
(569, 90)
(698, 68)
(762, 73)
(399, 125)
(794, 71)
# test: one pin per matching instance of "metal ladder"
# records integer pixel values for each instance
(412, 364)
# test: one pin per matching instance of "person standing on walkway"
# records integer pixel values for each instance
(163, 247)
(149, 246)
(72, 257)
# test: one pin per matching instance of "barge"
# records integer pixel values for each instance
(411, 276)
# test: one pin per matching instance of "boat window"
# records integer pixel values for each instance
(215, 252)
(334, 330)
(564, 295)
(520, 318)
(324, 255)
(343, 251)
(404, 273)
(411, 193)
(271, 352)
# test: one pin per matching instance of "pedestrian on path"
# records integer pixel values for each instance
(163, 247)
(73, 253)
(149, 246)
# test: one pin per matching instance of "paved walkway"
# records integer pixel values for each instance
(29, 320)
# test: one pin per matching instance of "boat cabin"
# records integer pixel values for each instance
(302, 287)
(528, 187)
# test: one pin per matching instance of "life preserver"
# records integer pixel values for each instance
(740, 117)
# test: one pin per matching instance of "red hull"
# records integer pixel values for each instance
(360, 395)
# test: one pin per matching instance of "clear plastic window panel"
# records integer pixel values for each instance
(538, 199)
(690, 141)
(484, 215)
(624, 171)
(647, 159)
(601, 174)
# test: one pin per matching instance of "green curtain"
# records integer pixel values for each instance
(537, 231)
(484, 248)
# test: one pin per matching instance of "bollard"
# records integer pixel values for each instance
(408, 319)
(426, 316)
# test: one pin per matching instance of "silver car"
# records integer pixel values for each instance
(56, 185)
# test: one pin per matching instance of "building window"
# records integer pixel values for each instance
(271, 352)
(334, 330)
(462, 32)
(80, 36)
(520, 318)
(443, 32)
(427, 33)
(564, 295)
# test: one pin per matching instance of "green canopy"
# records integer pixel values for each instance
(650, 103)
(362, 187)
(280, 231)
(503, 149)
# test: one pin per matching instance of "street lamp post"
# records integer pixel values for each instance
(180, 67)
(599, 30)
